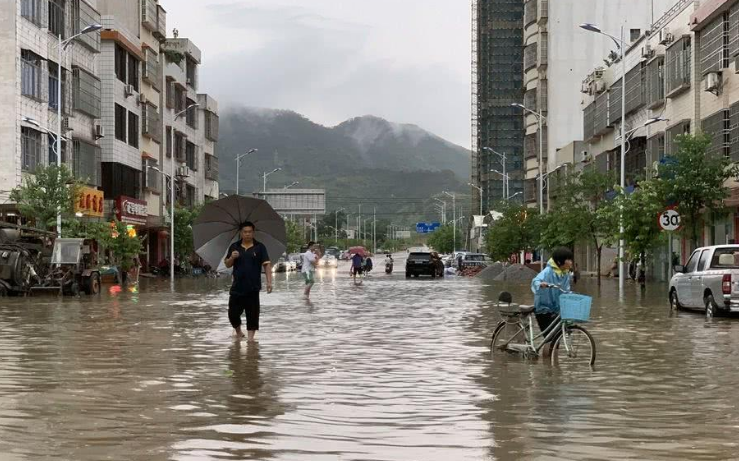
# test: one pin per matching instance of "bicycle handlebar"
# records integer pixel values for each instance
(557, 287)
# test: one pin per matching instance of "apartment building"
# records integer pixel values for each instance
(120, 87)
(557, 53)
(30, 31)
(684, 71)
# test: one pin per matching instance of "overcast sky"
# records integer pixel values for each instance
(405, 60)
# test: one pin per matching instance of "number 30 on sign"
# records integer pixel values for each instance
(669, 220)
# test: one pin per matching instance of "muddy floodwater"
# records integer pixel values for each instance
(393, 369)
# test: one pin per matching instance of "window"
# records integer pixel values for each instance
(529, 56)
(133, 72)
(601, 113)
(86, 92)
(84, 15)
(614, 102)
(56, 17)
(678, 66)
(179, 147)
(150, 122)
(634, 34)
(714, 49)
(192, 72)
(151, 68)
(170, 93)
(51, 141)
(169, 141)
(734, 131)
(703, 261)
(191, 116)
(31, 10)
(717, 126)
(635, 88)
(152, 178)
(211, 167)
(529, 12)
(121, 58)
(120, 123)
(30, 148)
(53, 85)
(180, 98)
(30, 74)
(655, 148)
(725, 258)
(190, 200)
(692, 262)
(86, 163)
(656, 82)
(672, 134)
(211, 126)
(191, 156)
(133, 130)
(119, 179)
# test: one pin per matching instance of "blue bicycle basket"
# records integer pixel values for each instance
(575, 307)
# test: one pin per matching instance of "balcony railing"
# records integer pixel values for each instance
(211, 167)
(149, 14)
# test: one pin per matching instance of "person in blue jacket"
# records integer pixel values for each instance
(546, 300)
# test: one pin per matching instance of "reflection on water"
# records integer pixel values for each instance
(392, 369)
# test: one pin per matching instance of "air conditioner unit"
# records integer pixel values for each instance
(598, 73)
(99, 131)
(142, 98)
(599, 86)
(712, 82)
(665, 37)
(647, 51)
(183, 171)
(128, 90)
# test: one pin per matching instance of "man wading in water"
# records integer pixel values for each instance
(247, 258)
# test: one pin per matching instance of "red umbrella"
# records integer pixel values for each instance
(358, 251)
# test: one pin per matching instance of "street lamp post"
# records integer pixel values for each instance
(63, 44)
(480, 190)
(506, 180)
(264, 178)
(171, 194)
(454, 211)
(336, 228)
(503, 163)
(238, 167)
(540, 119)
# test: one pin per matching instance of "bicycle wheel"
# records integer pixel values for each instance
(506, 333)
(575, 347)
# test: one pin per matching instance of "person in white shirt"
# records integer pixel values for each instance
(310, 261)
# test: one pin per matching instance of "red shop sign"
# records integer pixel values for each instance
(131, 211)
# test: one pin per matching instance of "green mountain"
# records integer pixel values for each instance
(397, 168)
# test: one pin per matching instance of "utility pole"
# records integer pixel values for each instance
(374, 230)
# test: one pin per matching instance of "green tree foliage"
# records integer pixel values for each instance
(442, 240)
(294, 237)
(184, 218)
(519, 229)
(581, 212)
(49, 189)
(695, 182)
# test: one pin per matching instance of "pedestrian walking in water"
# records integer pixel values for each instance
(356, 266)
(310, 260)
(247, 257)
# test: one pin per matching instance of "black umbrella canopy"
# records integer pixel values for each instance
(217, 227)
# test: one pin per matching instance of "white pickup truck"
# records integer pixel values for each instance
(709, 281)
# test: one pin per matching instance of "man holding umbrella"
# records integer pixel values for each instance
(247, 257)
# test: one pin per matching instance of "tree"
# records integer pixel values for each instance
(695, 183)
(294, 236)
(49, 189)
(640, 211)
(519, 229)
(582, 212)
(442, 239)
(123, 246)
(184, 218)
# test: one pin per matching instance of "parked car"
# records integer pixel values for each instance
(709, 281)
(280, 266)
(474, 259)
(297, 259)
(420, 263)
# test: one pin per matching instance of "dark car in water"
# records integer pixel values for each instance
(420, 263)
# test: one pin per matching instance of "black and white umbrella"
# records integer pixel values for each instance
(217, 227)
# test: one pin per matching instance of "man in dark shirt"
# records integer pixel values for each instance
(247, 257)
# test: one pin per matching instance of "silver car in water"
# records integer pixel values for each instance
(709, 281)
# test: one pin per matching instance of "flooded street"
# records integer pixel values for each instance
(393, 369)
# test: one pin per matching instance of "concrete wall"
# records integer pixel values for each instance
(10, 172)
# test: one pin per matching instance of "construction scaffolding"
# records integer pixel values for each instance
(497, 82)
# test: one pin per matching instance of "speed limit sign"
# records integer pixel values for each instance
(669, 220)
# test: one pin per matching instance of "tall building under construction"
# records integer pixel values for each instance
(497, 82)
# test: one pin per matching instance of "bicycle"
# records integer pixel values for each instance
(568, 342)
